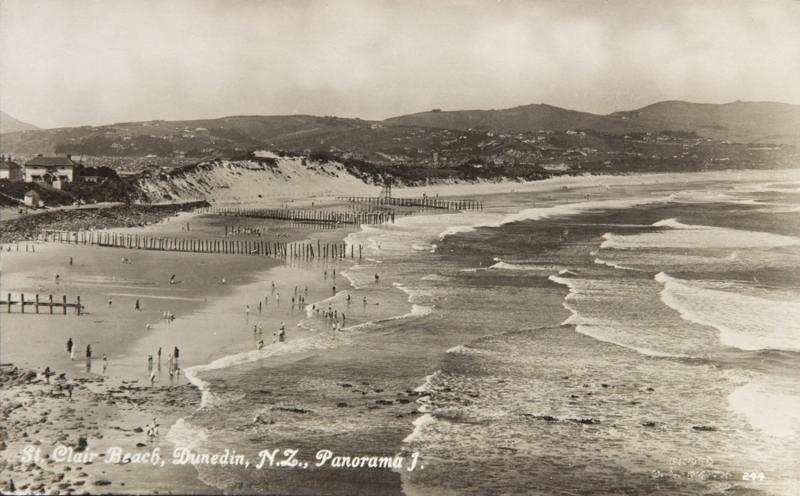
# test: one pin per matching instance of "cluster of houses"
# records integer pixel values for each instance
(52, 171)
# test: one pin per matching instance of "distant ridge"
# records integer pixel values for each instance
(9, 124)
(741, 122)
(736, 121)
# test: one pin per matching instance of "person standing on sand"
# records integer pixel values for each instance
(334, 290)
(282, 332)
(377, 278)
(325, 275)
(260, 345)
(70, 344)
(137, 306)
(273, 286)
(153, 378)
(175, 353)
(110, 302)
(47, 373)
(159, 355)
(259, 307)
(105, 363)
(70, 260)
(58, 278)
(247, 311)
(149, 363)
(278, 298)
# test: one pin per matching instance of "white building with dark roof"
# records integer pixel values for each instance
(53, 171)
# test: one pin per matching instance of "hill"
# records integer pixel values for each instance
(192, 138)
(526, 118)
(9, 124)
(737, 121)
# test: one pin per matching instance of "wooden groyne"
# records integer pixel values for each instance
(423, 202)
(307, 216)
(276, 249)
(38, 302)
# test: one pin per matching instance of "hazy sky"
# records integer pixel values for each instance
(73, 62)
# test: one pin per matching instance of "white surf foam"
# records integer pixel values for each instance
(419, 426)
(689, 236)
(774, 412)
(743, 321)
(182, 434)
(563, 210)
(600, 261)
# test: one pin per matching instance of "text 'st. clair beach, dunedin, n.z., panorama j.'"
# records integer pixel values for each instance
(463, 247)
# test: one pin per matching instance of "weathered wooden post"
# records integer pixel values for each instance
(51, 304)
(36, 307)
(22, 302)
(77, 305)
(8, 303)
(64, 301)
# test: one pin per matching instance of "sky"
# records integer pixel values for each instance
(88, 62)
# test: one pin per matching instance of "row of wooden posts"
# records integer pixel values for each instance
(36, 303)
(299, 249)
(424, 202)
(309, 216)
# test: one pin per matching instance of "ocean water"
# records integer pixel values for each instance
(604, 340)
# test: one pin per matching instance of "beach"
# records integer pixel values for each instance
(570, 338)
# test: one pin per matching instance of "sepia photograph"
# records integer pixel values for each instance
(400, 247)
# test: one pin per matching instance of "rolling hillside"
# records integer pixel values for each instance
(518, 119)
(737, 121)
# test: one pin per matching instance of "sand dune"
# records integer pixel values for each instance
(251, 181)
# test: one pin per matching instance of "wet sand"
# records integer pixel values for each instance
(111, 405)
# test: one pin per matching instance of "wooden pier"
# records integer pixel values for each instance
(38, 303)
(423, 202)
(297, 249)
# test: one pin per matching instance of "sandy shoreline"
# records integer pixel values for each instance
(118, 402)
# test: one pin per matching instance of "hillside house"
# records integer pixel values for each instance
(52, 171)
(10, 170)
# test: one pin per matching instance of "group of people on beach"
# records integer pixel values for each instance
(71, 347)
(278, 336)
(172, 364)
